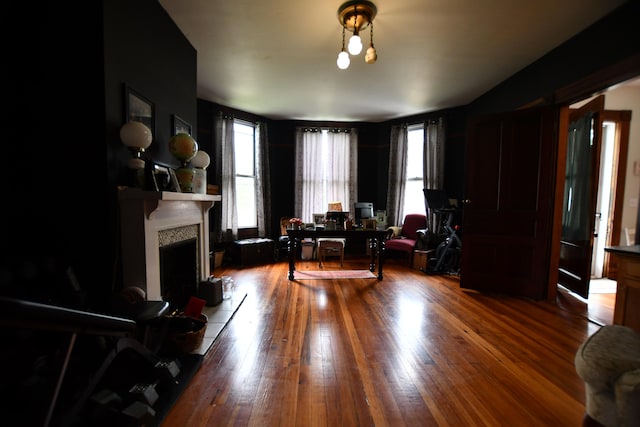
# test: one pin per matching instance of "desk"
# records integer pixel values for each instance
(376, 237)
(627, 303)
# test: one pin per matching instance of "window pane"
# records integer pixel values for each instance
(414, 153)
(244, 149)
(246, 201)
(414, 198)
(244, 155)
(413, 194)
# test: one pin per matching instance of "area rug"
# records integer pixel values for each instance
(332, 274)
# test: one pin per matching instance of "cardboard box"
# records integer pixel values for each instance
(421, 258)
(307, 249)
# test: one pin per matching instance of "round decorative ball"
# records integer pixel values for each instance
(201, 160)
(136, 135)
(183, 146)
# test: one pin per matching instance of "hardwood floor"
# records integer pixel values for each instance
(598, 307)
(412, 349)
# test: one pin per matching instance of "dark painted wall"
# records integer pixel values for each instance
(65, 160)
(54, 162)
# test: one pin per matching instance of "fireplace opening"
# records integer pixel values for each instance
(179, 272)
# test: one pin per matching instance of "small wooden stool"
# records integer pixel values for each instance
(330, 247)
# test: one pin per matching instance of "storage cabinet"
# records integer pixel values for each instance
(627, 307)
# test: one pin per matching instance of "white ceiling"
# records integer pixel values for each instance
(277, 58)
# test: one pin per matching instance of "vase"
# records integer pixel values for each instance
(185, 179)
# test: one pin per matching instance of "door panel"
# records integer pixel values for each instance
(507, 216)
(580, 196)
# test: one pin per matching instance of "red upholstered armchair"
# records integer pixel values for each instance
(404, 239)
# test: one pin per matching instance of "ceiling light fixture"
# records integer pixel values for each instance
(356, 15)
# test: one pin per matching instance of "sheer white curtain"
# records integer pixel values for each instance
(263, 187)
(433, 162)
(326, 170)
(229, 214)
(397, 173)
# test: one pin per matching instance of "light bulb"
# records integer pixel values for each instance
(136, 135)
(201, 160)
(355, 45)
(371, 55)
(343, 60)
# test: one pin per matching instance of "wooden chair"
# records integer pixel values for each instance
(330, 246)
(283, 239)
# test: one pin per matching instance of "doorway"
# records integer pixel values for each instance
(611, 202)
(607, 230)
(605, 213)
(615, 209)
(604, 200)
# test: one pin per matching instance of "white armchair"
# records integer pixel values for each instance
(609, 364)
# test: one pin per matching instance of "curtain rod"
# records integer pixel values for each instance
(333, 130)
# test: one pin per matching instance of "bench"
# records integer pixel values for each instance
(253, 251)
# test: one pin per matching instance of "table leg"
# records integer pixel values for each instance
(380, 258)
(292, 257)
(373, 250)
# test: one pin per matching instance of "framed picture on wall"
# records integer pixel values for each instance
(180, 126)
(138, 108)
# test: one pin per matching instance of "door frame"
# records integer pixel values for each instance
(622, 120)
(591, 85)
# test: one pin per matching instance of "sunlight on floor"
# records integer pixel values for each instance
(602, 286)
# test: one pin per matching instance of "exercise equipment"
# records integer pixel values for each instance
(93, 361)
(449, 250)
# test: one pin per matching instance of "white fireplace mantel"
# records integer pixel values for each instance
(143, 215)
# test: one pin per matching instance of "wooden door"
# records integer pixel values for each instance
(580, 195)
(508, 208)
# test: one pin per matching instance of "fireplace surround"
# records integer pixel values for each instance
(150, 220)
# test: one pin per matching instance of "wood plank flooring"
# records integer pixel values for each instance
(410, 350)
